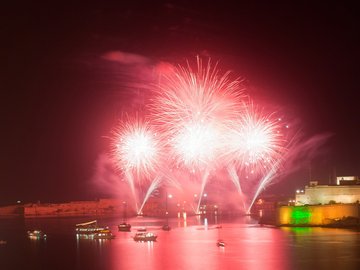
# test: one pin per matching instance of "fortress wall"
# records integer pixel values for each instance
(72, 208)
(11, 210)
(315, 215)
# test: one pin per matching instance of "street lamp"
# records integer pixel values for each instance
(166, 202)
(166, 227)
(205, 202)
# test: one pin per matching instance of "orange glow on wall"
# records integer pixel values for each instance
(315, 214)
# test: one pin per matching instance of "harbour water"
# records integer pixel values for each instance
(189, 244)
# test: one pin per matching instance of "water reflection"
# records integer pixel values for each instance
(325, 248)
(189, 245)
(196, 247)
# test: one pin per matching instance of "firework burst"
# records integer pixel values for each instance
(191, 107)
(203, 122)
(136, 147)
(255, 141)
(195, 144)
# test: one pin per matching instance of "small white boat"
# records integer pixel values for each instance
(124, 227)
(142, 229)
(90, 227)
(220, 243)
(36, 234)
(145, 236)
(104, 234)
(166, 227)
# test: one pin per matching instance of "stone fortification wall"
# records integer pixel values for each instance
(11, 210)
(316, 215)
(100, 207)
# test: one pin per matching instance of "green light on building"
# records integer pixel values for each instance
(300, 215)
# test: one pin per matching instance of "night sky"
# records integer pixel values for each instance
(63, 85)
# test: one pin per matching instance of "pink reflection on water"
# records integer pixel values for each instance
(194, 247)
(259, 248)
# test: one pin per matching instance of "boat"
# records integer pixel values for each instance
(124, 227)
(145, 236)
(36, 234)
(104, 234)
(166, 227)
(90, 227)
(220, 243)
(3, 242)
(142, 229)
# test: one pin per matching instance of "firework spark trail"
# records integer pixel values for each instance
(130, 180)
(154, 184)
(205, 177)
(264, 181)
(171, 179)
(235, 179)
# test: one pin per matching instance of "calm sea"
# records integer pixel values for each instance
(189, 245)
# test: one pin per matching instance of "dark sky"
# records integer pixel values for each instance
(60, 96)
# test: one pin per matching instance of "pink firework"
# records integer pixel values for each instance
(191, 108)
(136, 147)
(196, 144)
(255, 141)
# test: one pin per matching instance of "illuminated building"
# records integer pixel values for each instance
(347, 190)
(324, 205)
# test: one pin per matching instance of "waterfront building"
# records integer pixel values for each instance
(347, 190)
(324, 205)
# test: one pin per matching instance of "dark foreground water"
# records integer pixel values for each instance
(189, 245)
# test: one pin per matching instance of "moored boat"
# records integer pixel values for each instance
(104, 234)
(145, 236)
(90, 227)
(36, 234)
(220, 243)
(166, 227)
(124, 227)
